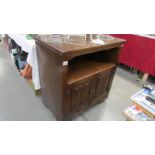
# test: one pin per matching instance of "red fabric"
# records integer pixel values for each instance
(138, 52)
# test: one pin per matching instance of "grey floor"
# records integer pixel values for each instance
(18, 102)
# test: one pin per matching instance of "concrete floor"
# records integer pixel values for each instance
(18, 102)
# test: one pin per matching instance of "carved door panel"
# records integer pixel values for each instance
(102, 82)
(92, 89)
(77, 97)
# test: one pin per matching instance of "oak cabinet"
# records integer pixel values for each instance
(75, 77)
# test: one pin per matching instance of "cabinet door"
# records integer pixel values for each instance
(102, 83)
(98, 90)
(77, 97)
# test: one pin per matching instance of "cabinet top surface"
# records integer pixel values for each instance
(70, 45)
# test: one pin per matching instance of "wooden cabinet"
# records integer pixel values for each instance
(75, 77)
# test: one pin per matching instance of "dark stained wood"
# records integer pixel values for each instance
(86, 70)
(70, 89)
(67, 50)
(53, 78)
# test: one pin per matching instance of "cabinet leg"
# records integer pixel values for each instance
(145, 77)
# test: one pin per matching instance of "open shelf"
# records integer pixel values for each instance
(84, 67)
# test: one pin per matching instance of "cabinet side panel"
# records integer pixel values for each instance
(52, 77)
